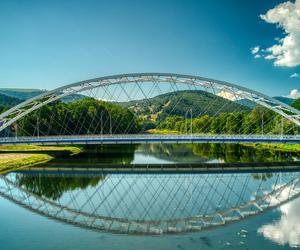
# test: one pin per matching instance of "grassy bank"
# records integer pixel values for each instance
(295, 148)
(15, 157)
(35, 148)
(162, 131)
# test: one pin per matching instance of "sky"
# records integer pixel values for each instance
(48, 44)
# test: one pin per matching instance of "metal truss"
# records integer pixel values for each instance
(165, 204)
(14, 114)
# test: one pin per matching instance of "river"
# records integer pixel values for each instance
(83, 210)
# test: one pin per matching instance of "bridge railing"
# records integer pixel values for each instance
(151, 136)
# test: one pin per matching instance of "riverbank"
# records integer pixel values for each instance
(15, 157)
(162, 131)
(291, 148)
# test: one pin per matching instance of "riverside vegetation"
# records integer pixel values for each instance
(14, 157)
(140, 116)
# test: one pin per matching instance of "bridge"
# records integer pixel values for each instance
(150, 203)
(148, 138)
(219, 112)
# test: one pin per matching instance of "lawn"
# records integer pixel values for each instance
(14, 157)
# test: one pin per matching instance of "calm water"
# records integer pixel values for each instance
(175, 153)
(135, 211)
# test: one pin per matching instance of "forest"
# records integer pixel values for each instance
(258, 121)
(86, 116)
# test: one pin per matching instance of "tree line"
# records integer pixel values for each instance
(86, 116)
(257, 121)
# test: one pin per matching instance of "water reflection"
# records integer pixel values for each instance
(150, 203)
(173, 153)
(213, 152)
(287, 229)
(54, 186)
(71, 191)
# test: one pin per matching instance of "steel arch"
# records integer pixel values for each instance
(14, 114)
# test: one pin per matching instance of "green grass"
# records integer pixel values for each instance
(15, 157)
(295, 148)
(33, 148)
(14, 161)
(163, 131)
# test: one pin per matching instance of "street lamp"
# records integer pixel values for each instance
(37, 127)
(191, 121)
(101, 122)
(262, 123)
(110, 128)
(186, 121)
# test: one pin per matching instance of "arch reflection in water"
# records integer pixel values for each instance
(149, 203)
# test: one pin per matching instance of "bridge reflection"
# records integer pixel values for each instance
(149, 203)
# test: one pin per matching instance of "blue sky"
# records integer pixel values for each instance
(47, 44)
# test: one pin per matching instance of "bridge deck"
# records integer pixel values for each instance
(149, 138)
(165, 168)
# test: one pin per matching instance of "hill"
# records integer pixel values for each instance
(7, 102)
(284, 99)
(157, 107)
(247, 103)
(180, 102)
(296, 104)
(252, 105)
(22, 94)
(25, 94)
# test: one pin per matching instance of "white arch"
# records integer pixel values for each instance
(14, 114)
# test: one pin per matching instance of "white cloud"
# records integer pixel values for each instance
(287, 229)
(294, 94)
(255, 50)
(286, 52)
(295, 75)
(270, 57)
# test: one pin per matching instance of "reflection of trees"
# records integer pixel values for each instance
(110, 153)
(227, 152)
(171, 152)
(211, 151)
(239, 153)
(262, 176)
(53, 187)
(98, 154)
